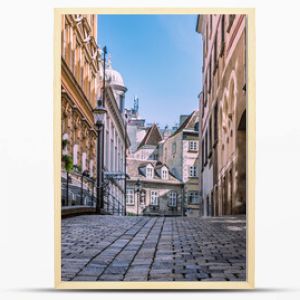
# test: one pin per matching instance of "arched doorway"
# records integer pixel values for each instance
(241, 165)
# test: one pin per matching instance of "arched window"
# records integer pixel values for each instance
(91, 168)
(65, 144)
(75, 154)
(84, 162)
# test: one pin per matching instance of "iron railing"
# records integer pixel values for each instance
(81, 191)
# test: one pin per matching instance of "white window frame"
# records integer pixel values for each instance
(193, 171)
(194, 195)
(154, 198)
(193, 145)
(164, 174)
(75, 153)
(130, 197)
(173, 199)
(149, 172)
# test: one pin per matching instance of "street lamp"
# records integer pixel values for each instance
(138, 188)
(99, 116)
(125, 163)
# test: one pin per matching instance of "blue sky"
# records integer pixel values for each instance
(160, 59)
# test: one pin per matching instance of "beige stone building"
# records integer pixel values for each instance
(116, 140)
(223, 114)
(160, 192)
(180, 152)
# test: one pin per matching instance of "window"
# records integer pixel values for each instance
(172, 199)
(209, 77)
(193, 146)
(206, 148)
(203, 56)
(230, 22)
(174, 148)
(210, 137)
(91, 168)
(116, 159)
(106, 149)
(164, 174)
(111, 156)
(215, 124)
(202, 163)
(75, 153)
(154, 198)
(204, 101)
(206, 38)
(193, 171)
(119, 162)
(143, 197)
(222, 35)
(215, 53)
(193, 197)
(149, 172)
(84, 161)
(130, 197)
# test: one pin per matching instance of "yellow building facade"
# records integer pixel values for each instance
(79, 67)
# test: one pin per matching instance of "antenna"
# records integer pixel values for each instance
(136, 104)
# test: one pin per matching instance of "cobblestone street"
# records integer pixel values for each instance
(111, 248)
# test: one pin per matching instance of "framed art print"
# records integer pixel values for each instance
(154, 142)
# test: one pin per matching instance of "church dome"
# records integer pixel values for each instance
(114, 78)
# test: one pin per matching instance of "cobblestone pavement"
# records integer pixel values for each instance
(112, 248)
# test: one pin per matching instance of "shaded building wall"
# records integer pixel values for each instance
(224, 104)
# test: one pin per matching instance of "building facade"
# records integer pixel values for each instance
(152, 189)
(180, 152)
(79, 69)
(116, 140)
(81, 87)
(148, 147)
(223, 114)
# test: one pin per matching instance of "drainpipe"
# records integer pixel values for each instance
(182, 201)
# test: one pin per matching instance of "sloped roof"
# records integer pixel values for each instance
(152, 137)
(188, 123)
(134, 170)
